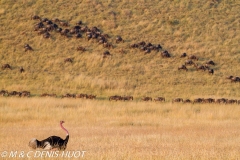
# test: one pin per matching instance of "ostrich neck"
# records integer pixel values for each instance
(64, 128)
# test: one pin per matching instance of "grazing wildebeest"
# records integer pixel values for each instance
(25, 94)
(165, 54)
(229, 77)
(210, 62)
(81, 95)
(80, 48)
(183, 55)
(177, 100)
(14, 93)
(79, 23)
(187, 101)
(231, 101)
(199, 67)
(28, 47)
(106, 54)
(235, 79)
(35, 17)
(6, 66)
(159, 99)
(221, 100)
(64, 24)
(91, 96)
(116, 98)
(134, 45)
(198, 100)
(210, 71)
(46, 35)
(68, 95)
(183, 67)
(3, 93)
(119, 39)
(193, 57)
(189, 62)
(107, 45)
(65, 32)
(68, 60)
(208, 100)
(147, 99)
(21, 70)
(78, 35)
(127, 98)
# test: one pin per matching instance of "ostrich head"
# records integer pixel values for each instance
(61, 122)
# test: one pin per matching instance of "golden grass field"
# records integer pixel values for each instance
(209, 29)
(118, 130)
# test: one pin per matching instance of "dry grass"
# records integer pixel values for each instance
(134, 130)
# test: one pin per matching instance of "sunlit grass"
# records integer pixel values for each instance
(118, 130)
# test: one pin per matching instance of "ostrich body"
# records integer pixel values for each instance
(53, 142)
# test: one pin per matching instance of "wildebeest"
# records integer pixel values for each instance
(46, 35)
(79, 23)
(14, 93)
(35, 17)
(165, 54)
(208, 100)
(198, 100)
(116, 98)
(187, 101)
(25, 94)
(210, 71)
(68, 60)
(229, 77)
(235, 79)
(80, 48)
(68, 95)
(231, 101)
(147, 99)
(119, 39)
(6, 66)
(183, 67)
(64, 24)
(210, 62)
(106, 54)
(189, 62)
(127, 98)
(28, 47)
(183, 55)
(107, 45)
(193, 57)
(159, 99)
(4, 93)
(221, 100)
(177, 100)
(21, 70)
(199, 67)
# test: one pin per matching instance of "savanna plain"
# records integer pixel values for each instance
(208, 29)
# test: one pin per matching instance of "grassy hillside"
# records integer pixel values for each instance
(207, 29)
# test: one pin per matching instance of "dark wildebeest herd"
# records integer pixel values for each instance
(191, 61)
(5, 93)
(15, 93)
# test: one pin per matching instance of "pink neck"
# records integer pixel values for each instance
(64, 128)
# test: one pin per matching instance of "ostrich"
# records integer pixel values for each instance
(53, 142)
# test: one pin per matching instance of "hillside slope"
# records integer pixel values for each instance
(208, 29)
